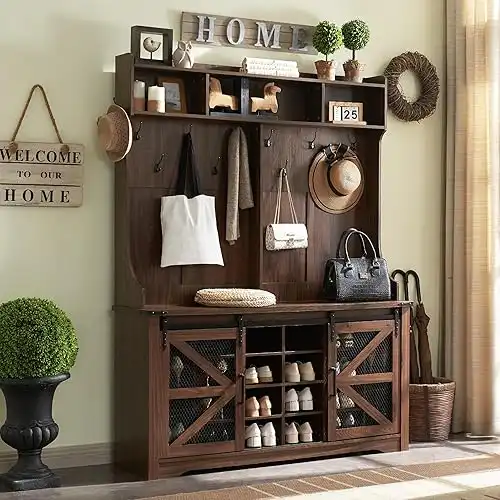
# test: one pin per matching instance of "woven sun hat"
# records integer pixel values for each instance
(114, 132)
(336, 185)
(234, 297)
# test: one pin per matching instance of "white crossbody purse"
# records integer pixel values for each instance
(285, 236)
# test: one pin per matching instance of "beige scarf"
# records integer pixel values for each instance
(239, 188)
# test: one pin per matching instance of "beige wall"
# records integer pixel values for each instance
(66, 254)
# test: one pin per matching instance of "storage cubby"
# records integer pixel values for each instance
(305, 339)
(273, 362)
(264, 341)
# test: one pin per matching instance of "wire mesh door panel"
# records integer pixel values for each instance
(202, 396)
(366, 379)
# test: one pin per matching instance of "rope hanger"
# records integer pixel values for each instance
(13, 146)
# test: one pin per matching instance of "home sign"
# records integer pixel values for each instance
(41, 174)
(209, 29)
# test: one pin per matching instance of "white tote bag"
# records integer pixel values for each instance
(188, 220)
(285, 236)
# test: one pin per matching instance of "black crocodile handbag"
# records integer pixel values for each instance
(356, 279)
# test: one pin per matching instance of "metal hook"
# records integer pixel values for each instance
(353, 142)
(114, 101)
(137, 135)
(157, 166)
(215, 170)
(190, 128)
(283, 170)
(312, 144)
(267, 142)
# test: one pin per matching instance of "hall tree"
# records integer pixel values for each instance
(188, 413)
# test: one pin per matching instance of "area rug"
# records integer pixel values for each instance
(344, 481)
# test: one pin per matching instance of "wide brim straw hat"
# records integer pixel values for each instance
(114, 132)
(339, 190)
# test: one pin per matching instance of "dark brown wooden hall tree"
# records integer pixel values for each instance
(174, 417)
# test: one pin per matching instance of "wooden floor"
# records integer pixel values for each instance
(429, 464)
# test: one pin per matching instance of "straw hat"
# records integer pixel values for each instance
(114, 131)
(336, 187)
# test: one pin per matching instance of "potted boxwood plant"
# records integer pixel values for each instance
(327, 38)
(356, 36)
(38, 346)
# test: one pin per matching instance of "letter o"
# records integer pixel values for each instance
(230, 30)
(51, 157)
(30, 192)
(43, 175)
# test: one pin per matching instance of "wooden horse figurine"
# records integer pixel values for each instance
(218, 99)
(269, 102)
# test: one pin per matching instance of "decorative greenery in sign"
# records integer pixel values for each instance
(356, 36)
(327, 38)
(37, 339)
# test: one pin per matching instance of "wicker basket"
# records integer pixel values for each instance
(431, 407)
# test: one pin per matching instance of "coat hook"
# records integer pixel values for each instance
(114, 101)
(190, 128)
(137, 135)
(267, 142)
(312, 144)
(215, 170)
(353, 142)
(157, 166)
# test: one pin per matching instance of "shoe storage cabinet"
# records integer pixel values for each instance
(180, 393)
(193, 382)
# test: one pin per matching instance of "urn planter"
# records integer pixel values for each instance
(28, 428)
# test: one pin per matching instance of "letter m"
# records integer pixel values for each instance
(266, 35)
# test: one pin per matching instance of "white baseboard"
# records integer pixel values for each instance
(63, 457)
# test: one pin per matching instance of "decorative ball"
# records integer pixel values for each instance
(151, 45)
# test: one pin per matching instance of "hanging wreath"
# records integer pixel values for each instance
(426, 72)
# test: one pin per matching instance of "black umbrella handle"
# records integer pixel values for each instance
(416, 279)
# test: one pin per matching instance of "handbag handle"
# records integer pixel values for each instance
(375, 262)
(277, 211)
(188, 180)
(345, 234)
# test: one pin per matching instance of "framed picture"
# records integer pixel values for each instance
(175, 94)
(149, 44)
(345, 112)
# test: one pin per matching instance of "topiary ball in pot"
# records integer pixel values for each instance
(327, 38)
(38, 347)
(356, 36)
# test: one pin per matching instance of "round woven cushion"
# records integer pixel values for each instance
(234, 297)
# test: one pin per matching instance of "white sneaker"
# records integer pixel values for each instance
(253, 438)
(306, 400)
(305, 433)
(251, 376)
(265, 406)
(265, 374)
(339, 424)
(268, 435)
(291, 433)
(306, 371)
(292, 373)
(252, 407)
(345, 401)
(291, 401)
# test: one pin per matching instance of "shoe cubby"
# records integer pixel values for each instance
(311, 429)
(264, 434)
(264, 341)
(263, 403)
(311, 368)
(305, 339)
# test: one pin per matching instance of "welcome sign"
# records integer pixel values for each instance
(41, 174)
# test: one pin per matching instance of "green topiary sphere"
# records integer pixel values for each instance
(327, 38)
(37, 339)
(356, 36)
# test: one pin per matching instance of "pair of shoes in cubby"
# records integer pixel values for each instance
(295, 433)
(261, 375)
(303, 401)
(258, 407)
(299, 372)
(258, 436)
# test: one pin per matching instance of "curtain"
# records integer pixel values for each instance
(471, 212)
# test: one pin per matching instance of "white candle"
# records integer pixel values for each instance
(156, 99)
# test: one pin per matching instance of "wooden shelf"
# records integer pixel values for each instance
(302, 414)
(237, 118)
(272, 417)
(263, 386)
(306, 78)
(312, 382)
(303, 353)
(263, 354)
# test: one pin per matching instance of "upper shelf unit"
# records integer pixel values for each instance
(301, 101)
